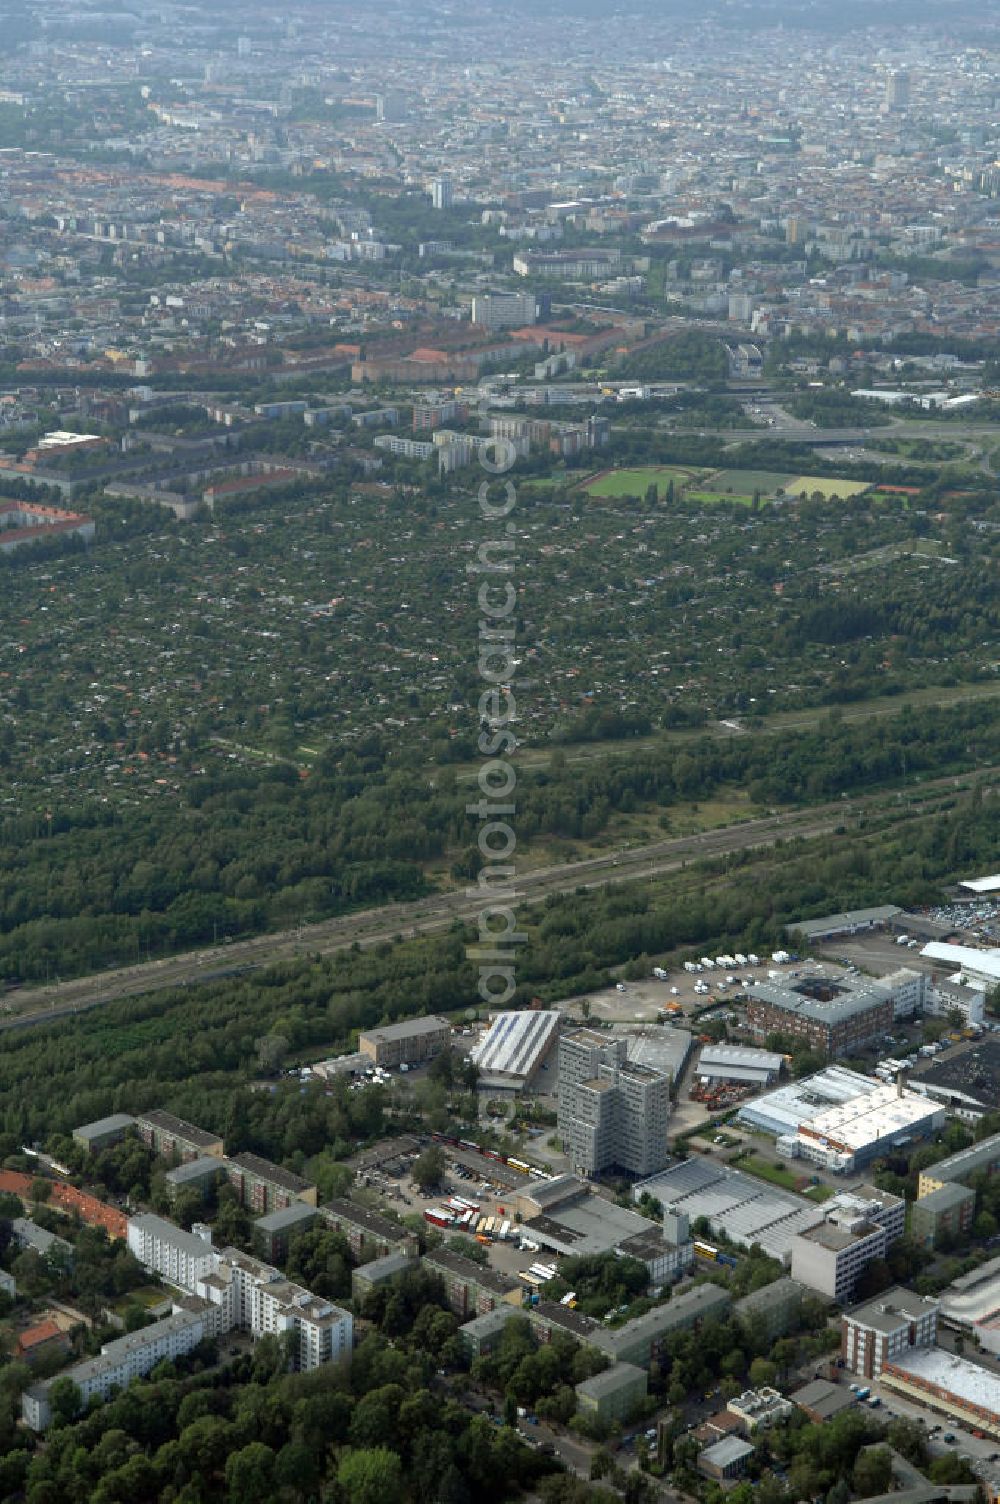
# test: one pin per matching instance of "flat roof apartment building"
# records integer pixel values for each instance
(169, 1135)
(828, 1258)
(885, 1328)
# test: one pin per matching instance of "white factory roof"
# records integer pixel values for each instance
(877, 1114)
(967, 958)
(967, 1381)
(982, 884)
(784, 1110)
(515, 1043)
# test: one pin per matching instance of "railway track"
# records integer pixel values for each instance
(438, 911)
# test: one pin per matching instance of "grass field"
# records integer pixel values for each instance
(636, 482)
(746, 482)
(830, 489)
(711, 498)
(764, 1170)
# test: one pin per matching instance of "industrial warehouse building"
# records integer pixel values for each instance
(408, 1043)
(738, 1206)
(727, 1062)
(836, 1016)
(574, 1222)
(978, 968)
(782, 1111)
(842, 1120)
(952, 1385)
(514, 1048)
(973, 1302)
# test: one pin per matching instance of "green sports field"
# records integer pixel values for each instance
(637, 482)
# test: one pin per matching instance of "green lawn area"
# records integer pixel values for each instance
(746, 482)
(765, 1170)
(636, 482)
(820, 1192)
(146, 1296)
(710, 498)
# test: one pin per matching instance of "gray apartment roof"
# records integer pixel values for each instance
(769, 1296)
(410, 1028)
(288, 1216)
(892, 1308)
(341, 1210)
(116, 1123)
(611, 1380)
(695, 1304)
(30, 1235)
(178, 1127)
(169, 1232)
(950, 1195)
(584, 1328)
(388, 1267)
(966, 1161)
(263, 1169)
(195, 1169)
(722, 1453)
(447, 1262)
(489, 1322)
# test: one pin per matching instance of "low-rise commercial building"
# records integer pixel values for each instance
(759, 1409)
(821, 1400)
(884, 1329)
(407, 1043)
(952, 1385)
(757, 1068)
(972, 1302)
(615, 1394)
(576, 1223)
(725, 1459)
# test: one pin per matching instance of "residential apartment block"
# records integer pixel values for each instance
(829, 1257)
(882, 1330)
(119, 1364)
(169, 1135)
